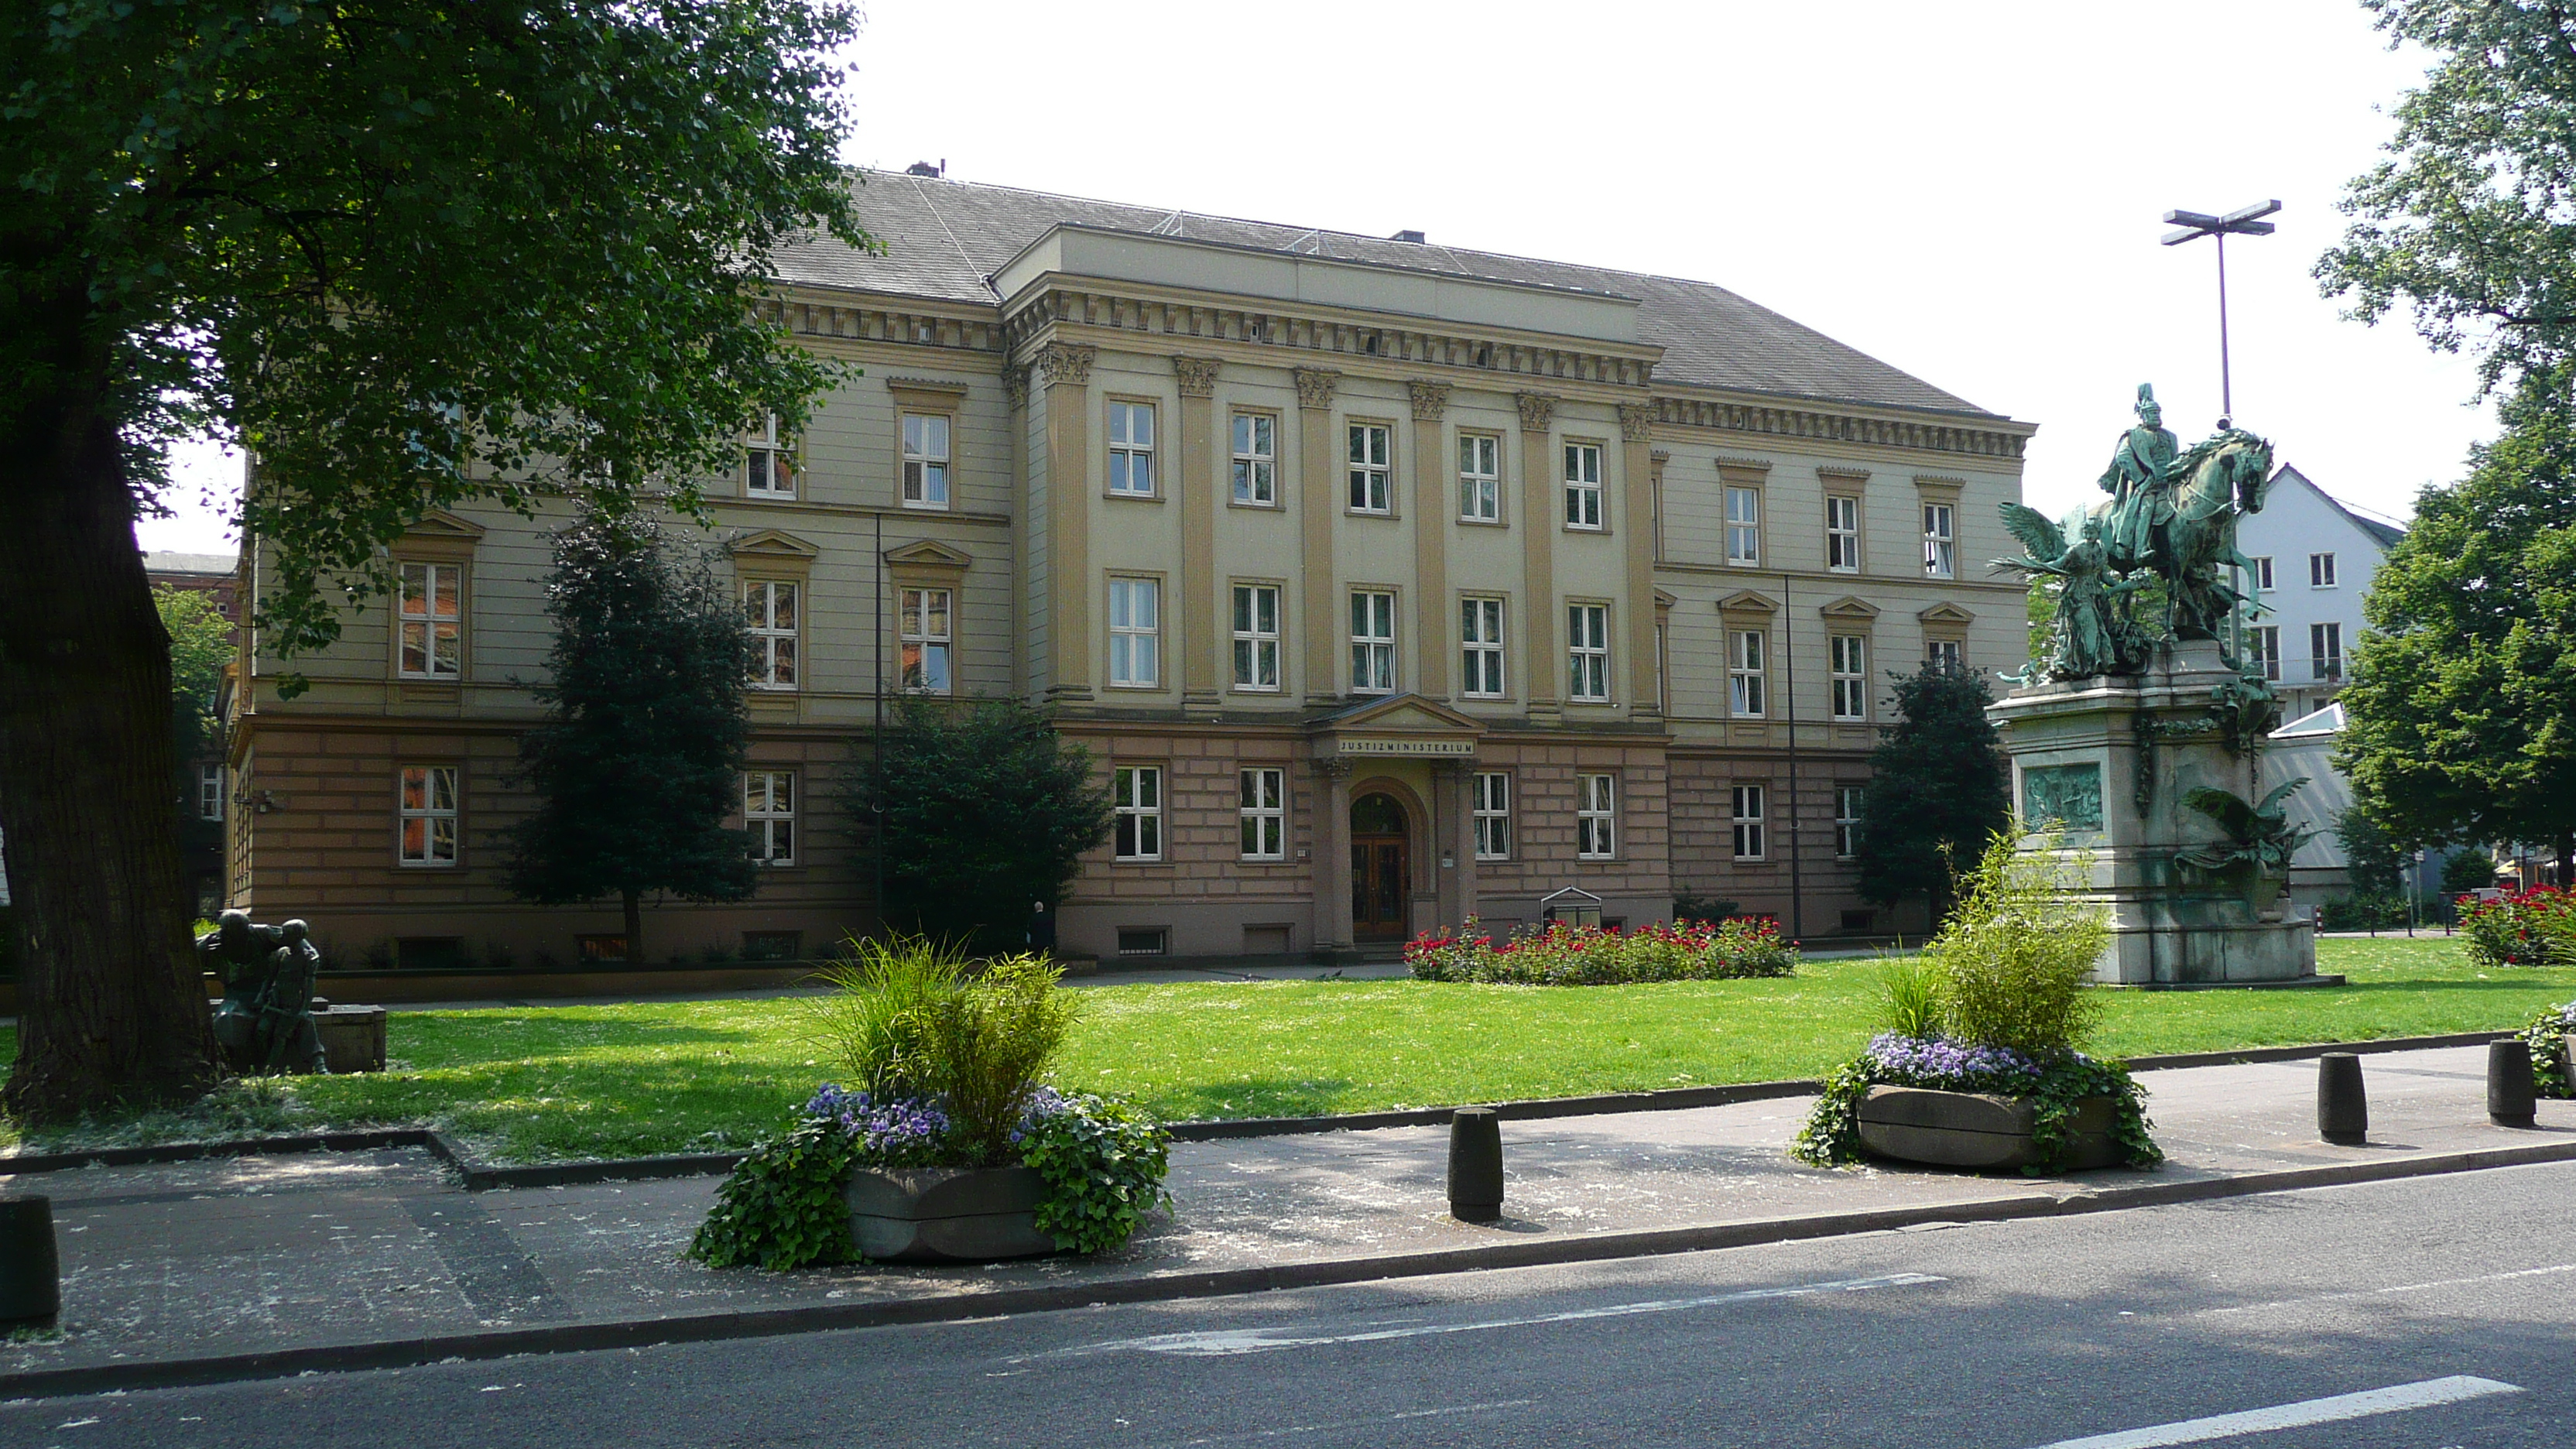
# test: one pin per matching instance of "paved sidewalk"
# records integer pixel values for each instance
(260, 1255)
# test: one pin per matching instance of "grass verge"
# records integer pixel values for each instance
(544, 1083)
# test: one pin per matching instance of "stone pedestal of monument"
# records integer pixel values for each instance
(2112, 757)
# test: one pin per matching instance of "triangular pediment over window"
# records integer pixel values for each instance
(1400, 724)
(1850, 607)
(929, 553)
(1946, 613)
(1746, 601)
(438, 523)
(772, 543)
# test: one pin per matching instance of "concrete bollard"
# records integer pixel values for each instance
(31, 1287)
(2343, 1108)
(2512, 1096)
(1475, 1165)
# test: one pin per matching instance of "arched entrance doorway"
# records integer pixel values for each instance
(1381, 874)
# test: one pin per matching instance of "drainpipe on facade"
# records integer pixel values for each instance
(1789, 668)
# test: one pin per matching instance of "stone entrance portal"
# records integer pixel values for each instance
(1381, 869)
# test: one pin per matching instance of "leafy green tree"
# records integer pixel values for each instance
(641, 757)
(2373, 861)
(406, 254)
(1938, 788)
(2468, 869)
(978, 811)
(2471, 222)
(2460, 715)
(201, 644)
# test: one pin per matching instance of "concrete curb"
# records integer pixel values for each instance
(480, 1177)
(1167, 1287)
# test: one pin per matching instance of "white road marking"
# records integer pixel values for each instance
(1356, 1423)
(1225, 1341)
(2430, 1393)
(2402, 1288)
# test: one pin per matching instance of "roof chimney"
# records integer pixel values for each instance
(1406, 236)
(924, 168)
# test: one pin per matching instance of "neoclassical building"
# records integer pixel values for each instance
(1386, 584)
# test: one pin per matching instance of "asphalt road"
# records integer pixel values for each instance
(2425, 1313)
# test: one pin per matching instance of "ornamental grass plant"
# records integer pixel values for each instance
(949, 1064)
(1999, 1004)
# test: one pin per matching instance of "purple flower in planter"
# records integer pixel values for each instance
(1939, 1062)
(897, 1132)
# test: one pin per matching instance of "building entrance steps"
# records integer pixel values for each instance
(256, 1266)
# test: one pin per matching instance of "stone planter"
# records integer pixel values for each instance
(946, 1214)
(1975, 1130)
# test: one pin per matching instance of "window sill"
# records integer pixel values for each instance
(1482, 523)
(768, 497)
(1136, 688)
(1133, 497)
(1273, 506)
(1388, 514)
(918, 507)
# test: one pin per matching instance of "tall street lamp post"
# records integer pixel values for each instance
(2244, 221)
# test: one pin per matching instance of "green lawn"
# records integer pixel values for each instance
(605, 1081)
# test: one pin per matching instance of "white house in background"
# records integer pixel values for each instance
(2314, 559)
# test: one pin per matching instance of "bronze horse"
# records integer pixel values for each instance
(2191, 528)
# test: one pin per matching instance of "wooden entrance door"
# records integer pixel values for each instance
(1381, 874)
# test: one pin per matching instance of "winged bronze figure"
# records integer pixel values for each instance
(2092, 635)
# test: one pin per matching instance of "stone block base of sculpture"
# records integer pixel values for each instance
(2118, 762)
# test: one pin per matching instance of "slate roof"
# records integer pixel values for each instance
(943, 237)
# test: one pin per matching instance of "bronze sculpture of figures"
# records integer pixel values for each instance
(265, 1023)
(2171, 517)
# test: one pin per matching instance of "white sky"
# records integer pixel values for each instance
(1969, 191)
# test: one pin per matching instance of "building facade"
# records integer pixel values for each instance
(1385, 584)
(2314, 559)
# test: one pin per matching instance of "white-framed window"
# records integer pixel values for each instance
(2321, 571)
(1662, 657)
(1264, 811)
(769, 462)
(1137, 794)
(925, 460)
(1596, 817)
(1256, 459)
(1744, 525)
(769, 814)
(1842, 534)
(1372, 642)
(1940, 541)
(1136, 633)
(1480, 648)
(2265, 640)
(210, 792)
(1847, 800)
(1493, 797)
(432, 621)
(1131, 449)
(1849, 674)
(1944, 652)
(1372, 470)
(928, 634)
(771, 606)
(1582, 485)
(2325, 651)
(427, 815)
(1744, 670)
(1480, 477)
(1747, 820)
(2262, 574)
(1256, 636)
(1587, 653)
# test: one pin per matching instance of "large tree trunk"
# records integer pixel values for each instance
(2566, 859)
(110, 1006)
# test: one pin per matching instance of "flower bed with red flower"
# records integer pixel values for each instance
(1562, 955)
(2535, 927)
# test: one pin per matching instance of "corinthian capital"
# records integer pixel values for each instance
(1197, 374)
(1538, 410)
(1430, 400)
(1315, 386)
(1636, 421)
(1067, 362)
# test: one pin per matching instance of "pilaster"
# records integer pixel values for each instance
(1638, 479)
(1333, 858)
(1066, 368)
(1318, 461)
(1432, 609)
(1542, 514)
(1195, 489)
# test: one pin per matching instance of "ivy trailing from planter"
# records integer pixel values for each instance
(2054, 1084)
(2553, 1071)
(1103, 1163)
(781, 1207)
